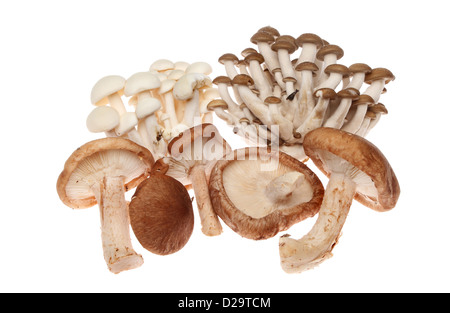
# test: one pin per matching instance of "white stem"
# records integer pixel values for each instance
(270, 56)
(308, 53)
(192, 109)
(362, 131)
(115, 100)
(355, 123)
(210, 222)
(233, 107)
(260, 80)
(316, 246)
(285, 63)
(169, 106)
(328, 59)
(306, 99)
(315, 118)
(281, 188)
(115, 225)
(375, 89)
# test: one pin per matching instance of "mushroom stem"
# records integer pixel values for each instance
(117, 248)
(316, 246)
(210, 222)
(116, 102)
(281, 188)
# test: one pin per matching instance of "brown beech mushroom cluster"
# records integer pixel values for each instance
(287, 86)
(356, 169)
(161, 103)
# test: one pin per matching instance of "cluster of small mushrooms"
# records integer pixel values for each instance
(161, 140)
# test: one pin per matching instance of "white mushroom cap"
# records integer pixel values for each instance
(105, 87)
(102, 119)
(184, 88)
(181, 65)
(199, 67)
(128, 121)
(175, 74)
(140, 82)
(162, 65)
(147, 107)
(166, 86)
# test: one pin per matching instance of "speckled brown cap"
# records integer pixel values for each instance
(330, 49)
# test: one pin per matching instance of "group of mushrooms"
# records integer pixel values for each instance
(161, 140)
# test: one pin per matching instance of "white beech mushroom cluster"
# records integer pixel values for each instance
(160, 103)
(289, 86)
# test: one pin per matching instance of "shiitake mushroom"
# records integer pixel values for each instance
(161, 213)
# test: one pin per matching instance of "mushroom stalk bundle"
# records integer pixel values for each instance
(162, 102)
(313, 89)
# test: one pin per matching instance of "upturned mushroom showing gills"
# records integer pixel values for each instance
(304, 74)
(356, 169)
(100, 172)
(193, 153)
(161, 213)
(258, 192)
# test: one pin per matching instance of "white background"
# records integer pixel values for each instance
(52, 53)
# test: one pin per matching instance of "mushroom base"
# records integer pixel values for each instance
(316, 246)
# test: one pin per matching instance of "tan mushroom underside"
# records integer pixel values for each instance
(256, 219)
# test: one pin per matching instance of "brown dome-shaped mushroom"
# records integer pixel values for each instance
(259, 193)
(356, 168)
(161, 213)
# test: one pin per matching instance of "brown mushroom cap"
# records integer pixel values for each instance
(359, 68)
(97, 158)
(285, 45)
(378, 108)
(228, 57)
(309, 38)
(270, 30)
(337, 68)
(364, 99)
(237, 186)
(330, 49)
(161, 213)
(242, 79)
(307, 66)
(381, 190)
(254, 56)
(350, 92)
(327, 93)
(379, 73)
(222, 80)
(217, 103)
(262, 37)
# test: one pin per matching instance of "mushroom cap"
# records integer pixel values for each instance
(147, 107)
(377, 185)
(140, 82)
(161, 214)
(238, 192)
(184, 88)
(248, 51)
(359, 68)
(105, 87)
(337, 68)
(330, 49)
(128, 121)
(378, 108)
(285, 44)
(270, 30)
(228, 57)
(102, 119)
(254, 56)
(222, 80)
(307, 66)
(242, 79)
(262, 36)
(309, 38)
(326, 93)
(379, 74)
(96, 159)
(363, 99)
(350, 92)
(199, 67)
(217, 103)
(162, 65)
(272, 100)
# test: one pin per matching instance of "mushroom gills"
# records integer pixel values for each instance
(264, 187)
(335, 164)
(105, 163)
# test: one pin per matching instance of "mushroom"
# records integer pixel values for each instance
(103, 119)
(127, 127)
(259, 192)
(356, 169)
(193, 153)
(109, 89)
(161, 213)
(187, 88)
(100, 172)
